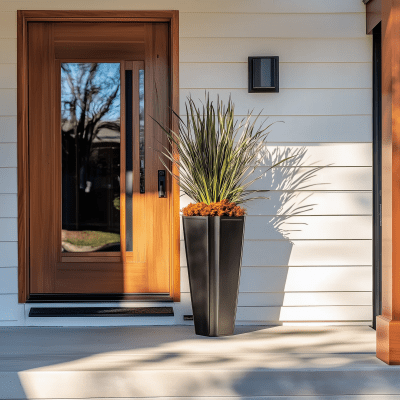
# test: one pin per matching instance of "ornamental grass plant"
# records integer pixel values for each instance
(217, 157)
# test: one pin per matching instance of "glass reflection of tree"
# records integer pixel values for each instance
(90, 102)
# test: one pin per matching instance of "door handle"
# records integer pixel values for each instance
(161, 184)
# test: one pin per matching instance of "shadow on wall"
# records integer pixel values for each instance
(284, 182)
(268, 247)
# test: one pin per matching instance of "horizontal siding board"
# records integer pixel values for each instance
(319, 129)
(8, 229)
(290, 101)
(305, 299)
(8, 254)
(8, 26)
(8, 180)
(249, 6)
(315, 129)
(8, 52)
(8, 76)
(362, 303)
(288, 49)
(8, 206)
(272, 25)
(291, 75)
(263, 253)
(185, 288)
(9, 307)
(8, 155)
(307, 203)
(308, 252)
(306, 227)
(299, 279)
(309, 178)
(322, 75)
(312, 203)
(320, 154)
(8, 102)
(334, 313)
(316, 155)
(306, 279)
(307, 323)
(8, 281)
(8, 129)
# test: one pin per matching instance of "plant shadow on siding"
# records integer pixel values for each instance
(269, 228)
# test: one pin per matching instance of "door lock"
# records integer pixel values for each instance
(161, 184)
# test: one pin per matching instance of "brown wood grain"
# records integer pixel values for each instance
(103, 254)
(388, 340)
(93, 278)
(72, 32)
(101, 278)
(150, 170)
(163, 216)
(157, 209)
(388, 332)
(136, 278)
(90, 258)
(50, 270)
(41, 150)
(101, 52)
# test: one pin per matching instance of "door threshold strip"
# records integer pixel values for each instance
(101, 312)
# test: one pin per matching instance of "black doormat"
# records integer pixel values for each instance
(101, 312)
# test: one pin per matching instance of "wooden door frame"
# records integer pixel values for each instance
(23, 17)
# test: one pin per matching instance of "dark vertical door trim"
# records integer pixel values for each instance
(377, 174)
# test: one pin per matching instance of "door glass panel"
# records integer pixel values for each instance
(141, 131)
(128, 160)
(90, 128)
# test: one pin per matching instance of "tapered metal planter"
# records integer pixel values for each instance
(214, 257)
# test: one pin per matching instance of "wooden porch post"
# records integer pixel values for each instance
(388, 324)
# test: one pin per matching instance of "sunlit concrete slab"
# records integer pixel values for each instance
(172, 362)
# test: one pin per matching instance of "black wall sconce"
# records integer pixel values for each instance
(263, 74)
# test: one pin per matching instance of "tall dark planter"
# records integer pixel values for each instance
(214, 256)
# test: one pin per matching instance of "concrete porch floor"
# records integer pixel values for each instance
(171, 362)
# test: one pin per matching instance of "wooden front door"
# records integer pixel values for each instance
(100, 200)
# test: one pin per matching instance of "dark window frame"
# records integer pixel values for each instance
(377, 173)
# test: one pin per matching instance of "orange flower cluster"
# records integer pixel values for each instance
(218, 209)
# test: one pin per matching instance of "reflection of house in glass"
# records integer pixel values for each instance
(90, 156)
(94, 206)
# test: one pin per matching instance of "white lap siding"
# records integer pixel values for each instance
(311, 267)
